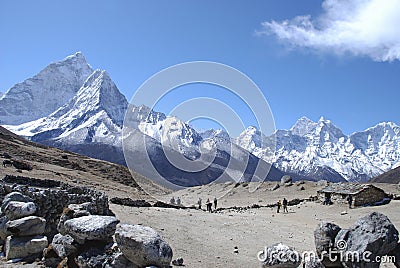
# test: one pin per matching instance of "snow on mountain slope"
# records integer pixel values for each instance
(320, 147)
(94, 115)
(42, 94)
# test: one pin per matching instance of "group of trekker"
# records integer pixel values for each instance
(174, 201)
(328, 201)
(279, 204)
(208, 204)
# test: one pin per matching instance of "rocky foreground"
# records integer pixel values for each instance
(52, 224)
(66, 226)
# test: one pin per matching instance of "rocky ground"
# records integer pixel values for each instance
(205, 239)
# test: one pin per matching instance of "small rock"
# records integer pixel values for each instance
(16, 209)
(63, 245)
(276, 186)
(286, 179)
(322, 183)
(143, 246)
(343, 212)
(92, 257)
(178, 262)
(50, 257)
(27, 226)
(120, 261)
(79, 210)
(23, 247)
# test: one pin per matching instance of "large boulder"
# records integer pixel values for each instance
(27, 226)
(63, 245)
(143, 246)
(374, 234)
(324, 238)
(92, 227)
(286, 179)
(24, 247)
(279, 256)
(16, 209)
(14, 196)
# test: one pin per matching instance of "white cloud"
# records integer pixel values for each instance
(360, 27)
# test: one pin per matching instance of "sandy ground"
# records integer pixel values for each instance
(205, 239)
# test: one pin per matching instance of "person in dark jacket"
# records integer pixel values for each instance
(285, 203)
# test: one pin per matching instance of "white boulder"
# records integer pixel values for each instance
(17, 209)
(92, 227)
(23, 247)
(27, 226)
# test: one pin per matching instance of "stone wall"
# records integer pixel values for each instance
(368, 196)
(51, 201)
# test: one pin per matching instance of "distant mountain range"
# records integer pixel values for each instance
(71, 106)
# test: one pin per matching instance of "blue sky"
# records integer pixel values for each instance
(337, 59)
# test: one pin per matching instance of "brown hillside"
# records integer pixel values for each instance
(392, 176)
(51, 163)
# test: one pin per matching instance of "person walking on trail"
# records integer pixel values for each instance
(199, 203)
(285, 203)
(215, 203)
(350, 200)
(178, 201)
(279, 204)
(209, 204)
(172, 201)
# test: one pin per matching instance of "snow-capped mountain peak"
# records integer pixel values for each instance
(98, 92)
(303, 126)
(42, 94)
(96, 112)
(310, 147)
